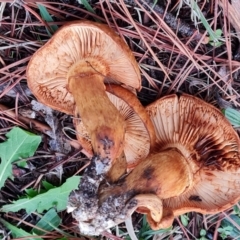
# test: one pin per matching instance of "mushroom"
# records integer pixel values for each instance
(139, 135)
(138, 139)
(195, 166)
(69, 72)
(209, 147)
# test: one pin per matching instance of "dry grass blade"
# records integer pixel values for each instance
(232, 11)
(2, 7)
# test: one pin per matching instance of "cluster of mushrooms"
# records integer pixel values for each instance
(177, 155)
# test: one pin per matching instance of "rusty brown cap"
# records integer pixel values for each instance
(209, 144)
(96, 45)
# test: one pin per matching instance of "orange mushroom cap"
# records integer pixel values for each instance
(195, 166)
(209, 145)
(69, 71)
(75, 44)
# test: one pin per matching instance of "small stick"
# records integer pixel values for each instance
(215, 236)
(31, 123)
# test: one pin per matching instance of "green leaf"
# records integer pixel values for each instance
(32, 192)
(214, 36)
(18, 232)
(203, 232)
(233, 116)
(47, 17)
(22, 164)
(47, 185)
(228, 229)
(217, 36)
(48, 222)
(20, 144)
(236, 209)
(56, 197)
(184, 219)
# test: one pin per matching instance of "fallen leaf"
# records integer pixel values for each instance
(20, 144)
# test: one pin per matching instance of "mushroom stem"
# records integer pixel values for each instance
(165, 174)
(102, 120)
(160, 176)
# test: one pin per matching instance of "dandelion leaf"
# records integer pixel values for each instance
(20, 144)
(56, 197)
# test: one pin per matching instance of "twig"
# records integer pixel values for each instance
(110, 236)
(215, 236)
(182, 227)
(31, 123)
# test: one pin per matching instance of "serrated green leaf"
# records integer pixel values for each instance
(31, 192)
(18, 232)
(56, 197)
(48, 222)
(47, 185)
(20, 144)
(233, 116)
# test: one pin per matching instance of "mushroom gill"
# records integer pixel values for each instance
(195, 165)
(139, 135)
(69, 72)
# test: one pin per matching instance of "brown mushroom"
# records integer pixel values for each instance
(210, 146)
(139, 136)
(195, 165)
(202, 157)
(71, 69)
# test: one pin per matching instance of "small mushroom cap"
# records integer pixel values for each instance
(85, 42)
(210, 146)
(139, 135)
